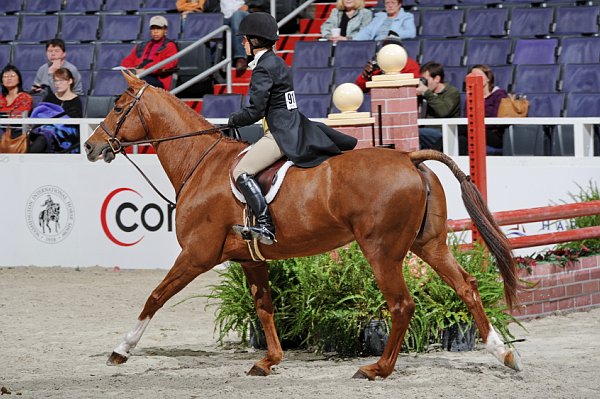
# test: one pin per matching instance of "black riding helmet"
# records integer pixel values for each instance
(259, 24)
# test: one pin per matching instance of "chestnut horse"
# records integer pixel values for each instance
(388, 201)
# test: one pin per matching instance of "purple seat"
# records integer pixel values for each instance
(121, 5)
(197, 25)
(488, 51)
(536, 78)
(174, 25)
(45, 5)
(108, 83)
(436, 3)
(579, 50)
(412, 47)
(525, 140)
(79, 28)
(98, 106)
(581, 78)
(442, 23)
(535, 51)
(449, 52)
(28, 78)
(545, 105)
(314, 105)
(503, 76)
(159, 5)
(576, 20)
(583, 104)
(83, 5)
(345, 75)
(81, 55)
(37, 28)
(29, 57)
(486, 22)
(9, 25)
(220, 106)
(531, 21)
(312, 54)
(4, 54)
(455, 76)
(353, 53)
(120, 27)
(86, 80)
(312, 80)
(10, 6)
(110, 55)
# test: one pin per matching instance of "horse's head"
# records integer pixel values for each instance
(124, 123)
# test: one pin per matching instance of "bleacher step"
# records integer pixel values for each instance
(311, 25)
(287, 42)
(236, 88)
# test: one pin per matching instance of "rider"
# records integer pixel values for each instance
(287, 132)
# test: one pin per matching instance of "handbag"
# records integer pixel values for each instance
(513, 107)
(9, 145)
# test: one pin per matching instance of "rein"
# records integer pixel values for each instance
(117, 146)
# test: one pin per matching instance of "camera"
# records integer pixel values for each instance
(423, 81)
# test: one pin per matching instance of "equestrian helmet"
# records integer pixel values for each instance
(259, 24)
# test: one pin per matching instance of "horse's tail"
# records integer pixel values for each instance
(484, 221)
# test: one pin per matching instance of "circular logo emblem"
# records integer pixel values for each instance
(50, 214)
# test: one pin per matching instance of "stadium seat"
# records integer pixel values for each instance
(119, 27)
(198, 25)
(194, 62)
(531, 21)
(442, 23)
(86, 80)
(528, 2)
(110, 55)
(37, 28)
(314, 105)
(83, 5)
(28, 78)
(486, 22)
(79, 28)
(562, 140)
(353, 53)
(455, 76)
(4, 54)
(545, 105)
(42, 5)
(312, 80)
(81, 55)
(121, 5)
(449, 52)
(159, 5)
(576, 20)
(503, 76)
(108, 83)
(412, 47)
(525, 140)
(220, 106)
(581, 78)
(346, 75)
(9, 25)
(535, 51)
(583, 105)
(29, 57)
(436, 3)
(11, 6)
(312, 54)
(98, 106)
(174, 25)
(536, 78)
(579, 50)
(488, 51)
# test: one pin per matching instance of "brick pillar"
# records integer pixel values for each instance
(362, 132)
(398, 116)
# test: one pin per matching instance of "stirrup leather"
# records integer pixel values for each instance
(251, 237)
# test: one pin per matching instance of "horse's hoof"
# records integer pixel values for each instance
(116, 359)
(362, 375)
(256, 371)
(513, 360)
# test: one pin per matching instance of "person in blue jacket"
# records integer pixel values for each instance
(394, 20)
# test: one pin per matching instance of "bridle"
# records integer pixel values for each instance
(118, 146)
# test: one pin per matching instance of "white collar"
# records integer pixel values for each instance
(257, 56)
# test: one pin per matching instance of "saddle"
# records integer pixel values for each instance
(269, 180)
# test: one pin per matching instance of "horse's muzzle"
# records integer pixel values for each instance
(95, 152)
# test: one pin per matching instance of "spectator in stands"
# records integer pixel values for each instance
(440, 99)
(287, 131)
(54, 138)
(187, 6)
(149, 53)
(394, 20)
(492, 95)
(372, 68)
(349, 16)
(56, 53)
(234, 11)
(13, 100)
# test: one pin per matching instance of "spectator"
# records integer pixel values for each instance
(54, 138)
(234, 11)
(372, 68)
(13, 100)
(349, 16)
(492, 95)
(440, 99)
(393, 21)
(149, 53)
(56, 53)
(187, 6)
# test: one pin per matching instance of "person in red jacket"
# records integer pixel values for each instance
(146, 54)
(372, 68)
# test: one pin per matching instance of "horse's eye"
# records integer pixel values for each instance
(118, 110)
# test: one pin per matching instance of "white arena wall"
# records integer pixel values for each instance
(110, 216)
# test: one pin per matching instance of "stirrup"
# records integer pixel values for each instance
(243, 231)
(263, 235)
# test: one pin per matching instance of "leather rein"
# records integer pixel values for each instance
(117, 146)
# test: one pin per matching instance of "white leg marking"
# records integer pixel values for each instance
(494, 345)
(131, 339)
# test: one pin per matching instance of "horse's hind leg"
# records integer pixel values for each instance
(180, 275)
(257, 274)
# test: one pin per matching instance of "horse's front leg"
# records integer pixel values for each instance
(180, 275)
(257, 274)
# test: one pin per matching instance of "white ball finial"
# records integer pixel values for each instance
(348, 97)
(391, 58)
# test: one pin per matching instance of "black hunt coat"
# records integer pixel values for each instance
(304, 142)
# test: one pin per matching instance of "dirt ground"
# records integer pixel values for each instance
(58, 326)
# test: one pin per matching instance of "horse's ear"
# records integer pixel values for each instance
(132, 80)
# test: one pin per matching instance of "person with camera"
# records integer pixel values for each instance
(440, 99)
(372, 69)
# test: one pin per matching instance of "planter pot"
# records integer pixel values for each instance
(459, 337)
(376, 336)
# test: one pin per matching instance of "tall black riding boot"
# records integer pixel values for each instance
(264, 230)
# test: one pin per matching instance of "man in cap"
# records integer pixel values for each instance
(146, 54)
